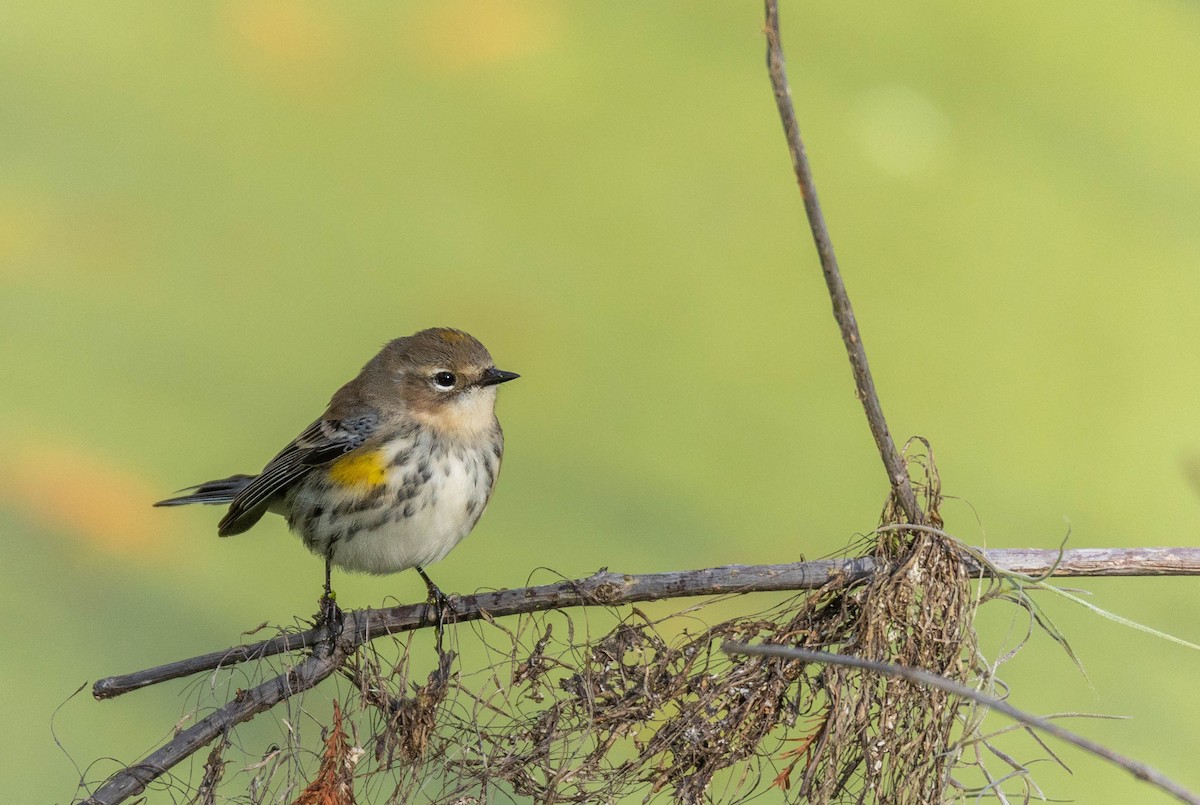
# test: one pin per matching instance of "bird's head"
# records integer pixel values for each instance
(446, 380)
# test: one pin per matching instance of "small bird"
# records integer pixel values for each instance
(397, 470)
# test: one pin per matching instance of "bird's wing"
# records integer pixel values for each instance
(321, 442)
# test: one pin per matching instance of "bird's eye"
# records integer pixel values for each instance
(445, 380)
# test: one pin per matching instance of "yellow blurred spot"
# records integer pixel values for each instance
(903, 131)
(360, 469)
(461, 36)
(86, 496)
(24, 231)
(291, 44)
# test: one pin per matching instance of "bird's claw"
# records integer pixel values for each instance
(442, 604)
(329, 613)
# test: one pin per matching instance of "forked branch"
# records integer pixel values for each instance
(602, 589)
(246, 705)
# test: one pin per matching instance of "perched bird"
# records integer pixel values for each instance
(397, 470)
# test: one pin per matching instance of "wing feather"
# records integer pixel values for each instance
(320, 443)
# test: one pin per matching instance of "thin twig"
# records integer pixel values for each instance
(842, 311)
(1139, 770)
(611, 589)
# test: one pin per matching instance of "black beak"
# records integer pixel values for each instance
(494, 376)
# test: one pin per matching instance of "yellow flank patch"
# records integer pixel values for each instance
(359, 469)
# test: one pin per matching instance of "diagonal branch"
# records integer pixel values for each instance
(1137, 769)
(132, 780)
(864, 386)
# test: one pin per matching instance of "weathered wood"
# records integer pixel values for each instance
(611, 589)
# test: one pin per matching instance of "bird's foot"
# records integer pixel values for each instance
(443, 605)
(328, 613)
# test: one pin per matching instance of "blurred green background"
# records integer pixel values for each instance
(211, 214)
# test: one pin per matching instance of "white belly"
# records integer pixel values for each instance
(441, 515)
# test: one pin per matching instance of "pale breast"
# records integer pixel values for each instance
(435, 492)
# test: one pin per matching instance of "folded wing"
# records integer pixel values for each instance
(321, 442)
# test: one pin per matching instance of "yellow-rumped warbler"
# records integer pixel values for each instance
(398, 469)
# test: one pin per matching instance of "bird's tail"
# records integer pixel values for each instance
(223, 491)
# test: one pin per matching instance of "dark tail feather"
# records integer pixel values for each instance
(223, 491)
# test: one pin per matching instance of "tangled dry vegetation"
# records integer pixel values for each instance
(560, 711)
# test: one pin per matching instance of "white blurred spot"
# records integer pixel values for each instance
(901, 130)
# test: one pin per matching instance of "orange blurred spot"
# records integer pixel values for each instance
(101, 238)
(459, 36)
(86, 496)
(47, 240)
(290, 44)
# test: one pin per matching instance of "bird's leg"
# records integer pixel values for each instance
(436, 596)
(441, 602)
(330, 612)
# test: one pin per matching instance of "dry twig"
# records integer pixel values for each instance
(1139, 770)
(842, 310)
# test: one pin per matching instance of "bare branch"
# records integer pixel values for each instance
(604, 588)
(112, 686)
(1097, 562)
(610, 589)
(1139, 770)
(842, 311)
